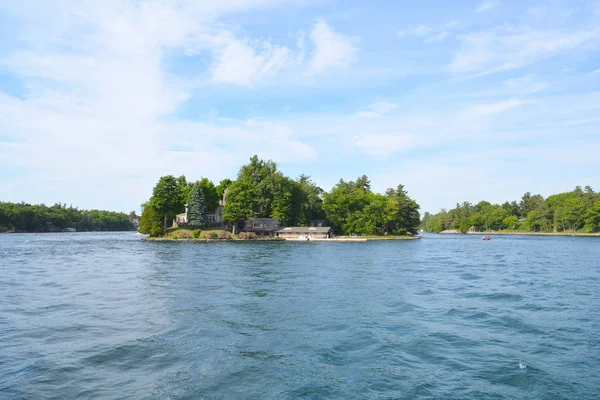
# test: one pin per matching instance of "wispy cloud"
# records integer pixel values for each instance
(486, 5)
(505, 48)
(526, 84)
(429, 34)
(377, 110)
(481, 110)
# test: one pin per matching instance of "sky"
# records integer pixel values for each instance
(458, 101)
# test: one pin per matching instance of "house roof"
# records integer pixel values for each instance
(262, 225)
(304, 229)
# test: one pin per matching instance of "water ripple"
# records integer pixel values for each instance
(105, 316)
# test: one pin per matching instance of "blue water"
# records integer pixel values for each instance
(107, 316)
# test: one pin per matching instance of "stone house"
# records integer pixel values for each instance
(213, 218)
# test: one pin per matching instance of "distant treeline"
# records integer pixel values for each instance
(576, 211)
(261, 190)
(41, 218)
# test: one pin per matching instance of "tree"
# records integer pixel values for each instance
(211, 197)
(260, 190)
(150, 221)
(345, 199)
(511, 222)
(222, 187)
(592, 218)
(184, 189)
(196, 215)
(310, 201)
(167, 198)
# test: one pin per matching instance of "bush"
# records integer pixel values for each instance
(247, 235)
(211, 235)
(196, 233)
(183, 235)
(224, 235)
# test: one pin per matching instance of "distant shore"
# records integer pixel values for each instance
(515, 233)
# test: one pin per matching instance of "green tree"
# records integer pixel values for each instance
(184, 189)
(166, 198)
(311, 201)
(592, 218)
(196, 214)
(260, 190)
(511, 222)
(211, 196)
(151, 222)
(222, 187)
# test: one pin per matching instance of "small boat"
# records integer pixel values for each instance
(485, 238)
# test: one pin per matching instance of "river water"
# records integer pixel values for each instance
(107, 316)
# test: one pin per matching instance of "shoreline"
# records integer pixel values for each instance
(275, 239)
(517, 233)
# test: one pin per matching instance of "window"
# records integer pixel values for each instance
(212, 218)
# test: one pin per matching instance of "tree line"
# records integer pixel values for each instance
(575, 211)
(261, 190)
(22, 217)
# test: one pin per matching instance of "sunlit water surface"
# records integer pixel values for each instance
(107, 316)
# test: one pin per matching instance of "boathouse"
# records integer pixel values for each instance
(262, 226)
(304, 232)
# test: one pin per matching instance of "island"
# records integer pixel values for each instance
(264, 204)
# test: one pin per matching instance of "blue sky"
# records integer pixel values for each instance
(462, 100)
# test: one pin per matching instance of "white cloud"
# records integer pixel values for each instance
(485, 6)
(377, 110)
(482, 110)
(331, 50)
(507, 48)
(99, 105)
(238, 62)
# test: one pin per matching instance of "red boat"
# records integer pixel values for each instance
(485, 238)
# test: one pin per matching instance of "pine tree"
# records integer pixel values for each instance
(196, 215)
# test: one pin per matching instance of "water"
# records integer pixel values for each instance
(106, 316)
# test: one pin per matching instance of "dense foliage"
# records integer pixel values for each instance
(578, 210)
(261, 190)
(41, 218)
(351, 207)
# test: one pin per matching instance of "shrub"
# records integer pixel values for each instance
(183, 235)
(247, 235)
(211, 235)
(196, 233)
(224, 235)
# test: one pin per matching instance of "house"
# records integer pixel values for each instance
(262, 226)
(181, 219)
(304, 232)
(213, 218)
